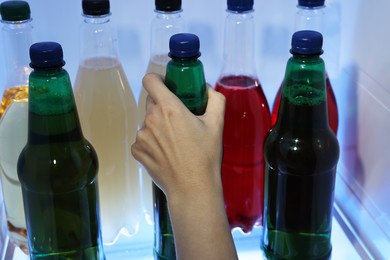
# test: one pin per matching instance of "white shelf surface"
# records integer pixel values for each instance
(140, 246)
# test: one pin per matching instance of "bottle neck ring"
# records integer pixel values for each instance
(17, 22)
(168, 12)
(97, 19)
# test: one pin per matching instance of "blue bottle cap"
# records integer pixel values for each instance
(311, 3)
(96, 7)
(46, 55)
(306, 43)
(240, 5)
(13, 11)
(184, 45)
(168, 5)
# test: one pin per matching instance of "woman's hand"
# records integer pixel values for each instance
(183, 153)
(178, 149)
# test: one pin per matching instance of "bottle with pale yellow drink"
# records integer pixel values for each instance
(17, 38)
(107, 111)
(167, 22)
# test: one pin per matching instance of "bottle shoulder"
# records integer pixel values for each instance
(57, 167)
(51, 74)
(304, 152)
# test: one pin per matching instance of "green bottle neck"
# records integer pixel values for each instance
(186, 79)
(52, 108)
(303, 104)
(185, 61)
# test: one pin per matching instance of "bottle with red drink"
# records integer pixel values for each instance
(310, 16)
(247, 120)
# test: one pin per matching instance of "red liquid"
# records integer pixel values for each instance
(333, 116)
(247, 122)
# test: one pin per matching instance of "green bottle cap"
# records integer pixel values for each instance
(13, 11)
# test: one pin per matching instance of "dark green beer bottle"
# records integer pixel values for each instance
(301, 154)
(58, 167)
(185, 78)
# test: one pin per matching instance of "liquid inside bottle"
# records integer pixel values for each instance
(13, 137)
(333, 116)
(163, 234)
(299, 202)
(107, 112)
(158, 64)
(58, 167)
(247, 121)
(17, 36)
(301, 154)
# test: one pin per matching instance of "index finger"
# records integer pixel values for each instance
(157, 90)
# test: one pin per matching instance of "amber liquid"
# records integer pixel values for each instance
(17, 94)
(13, 137)
(107, 111)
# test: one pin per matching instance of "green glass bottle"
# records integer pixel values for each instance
(185, 78)
(58, 167)
(301, 154)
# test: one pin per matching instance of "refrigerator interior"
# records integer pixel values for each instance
(358, 63)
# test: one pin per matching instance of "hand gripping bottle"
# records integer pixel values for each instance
(185, 78)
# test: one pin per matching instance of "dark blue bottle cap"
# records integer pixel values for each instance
(96, 7)
(184, 45)
(168, 5)
(46, 55)
(311, 3)
(13, 11)
(240, 5)
(306, 43)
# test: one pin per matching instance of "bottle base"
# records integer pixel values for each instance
(293, 245)
(18, 237)
(91, 253)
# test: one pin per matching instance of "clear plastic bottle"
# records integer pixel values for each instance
(17, 39)
(167, 22)
(247, 120)
(107, 110)
(301, 154)
(58, 167)
(310, 16)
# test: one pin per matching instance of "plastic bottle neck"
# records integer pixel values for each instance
(97, 39)
(238, 51)
(101, 19)
(17, 39)
(168, 15)
(164, 25)
(303, 104)
(184, 61)
(310, 18)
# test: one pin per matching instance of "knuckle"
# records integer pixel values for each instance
(149, 121)
(221, 97)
